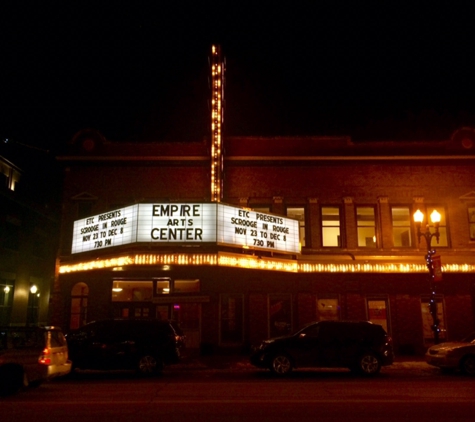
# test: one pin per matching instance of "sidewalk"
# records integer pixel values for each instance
(241, 363)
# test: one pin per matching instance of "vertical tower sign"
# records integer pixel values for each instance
(217, 90)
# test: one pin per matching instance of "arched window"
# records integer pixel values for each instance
(79, 294)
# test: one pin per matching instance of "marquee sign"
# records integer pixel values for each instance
(257, 230)
(188, 224)
(113, 228)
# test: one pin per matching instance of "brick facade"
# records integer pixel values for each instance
(291, 172)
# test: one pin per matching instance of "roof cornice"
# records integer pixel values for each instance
(350, 158)
(131, 158)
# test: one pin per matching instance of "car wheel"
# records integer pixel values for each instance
(149, 365)
(468, 365)
(369, 364)
(281, 364)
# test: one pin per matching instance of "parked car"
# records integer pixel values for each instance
(454, 355)
(31, 355)
(142, 345)
(359, 346)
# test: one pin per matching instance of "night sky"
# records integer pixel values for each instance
(138, 71)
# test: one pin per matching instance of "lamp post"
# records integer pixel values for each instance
(427, 235)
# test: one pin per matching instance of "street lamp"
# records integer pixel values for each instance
(427, 235)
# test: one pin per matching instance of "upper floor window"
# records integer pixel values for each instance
(366, 227)
(401, 222)
(298, 214)
(331, 227)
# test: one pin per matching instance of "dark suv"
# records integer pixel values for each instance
(361, 346)
(143, 345)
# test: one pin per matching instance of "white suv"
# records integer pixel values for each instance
(31, 355)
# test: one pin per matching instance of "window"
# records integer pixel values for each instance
(162, 286)
(162, 311)
(471, 222)
(165, 286)
(6, 300)
(328, 309)
(366, 226)
(79, 296)
(231, 319)
(401, 221)
(298, 214)
(145, 290)
(378, 312)
(132, 290)
(331, 227)
(33, 308)
(186, 286)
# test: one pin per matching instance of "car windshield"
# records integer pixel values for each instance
(470, 338)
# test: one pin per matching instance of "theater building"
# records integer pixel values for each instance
(244, 238)
(357, 254)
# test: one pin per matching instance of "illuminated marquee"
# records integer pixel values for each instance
(186, 223)
(254, 229)
(113, 228)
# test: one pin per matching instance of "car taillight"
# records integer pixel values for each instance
(45, 358)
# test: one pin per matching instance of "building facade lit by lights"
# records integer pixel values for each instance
(351, 205)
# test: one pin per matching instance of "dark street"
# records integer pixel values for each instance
(406, 391)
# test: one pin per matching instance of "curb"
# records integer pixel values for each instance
(226, 363)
